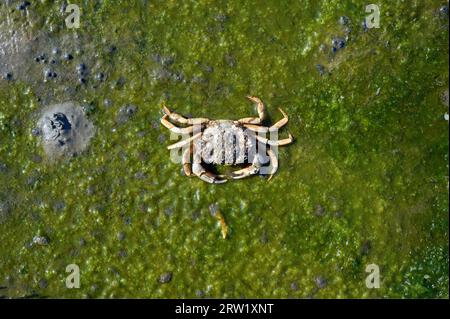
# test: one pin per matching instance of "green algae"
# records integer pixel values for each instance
(371, 149)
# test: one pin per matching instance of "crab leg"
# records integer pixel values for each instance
(282, 142)
(181, 119)
(186, 160)
(261, 112)
(249, 170)
(184, 141)
(206, 176)
(265, 129)
(273, 163)
(176, 129)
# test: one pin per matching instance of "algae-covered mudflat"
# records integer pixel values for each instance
(364, 185)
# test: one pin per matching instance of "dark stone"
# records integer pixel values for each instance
(443, 10)
(165, 278)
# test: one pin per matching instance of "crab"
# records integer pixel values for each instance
(225, 142)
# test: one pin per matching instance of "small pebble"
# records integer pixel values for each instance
(294, 286)
(165, 278)
(40, 240)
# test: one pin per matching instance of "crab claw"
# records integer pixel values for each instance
(206, 176)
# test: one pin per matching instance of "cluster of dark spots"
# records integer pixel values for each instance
(50, 74)
(3, 168)
(337, 44)
(165, 277)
